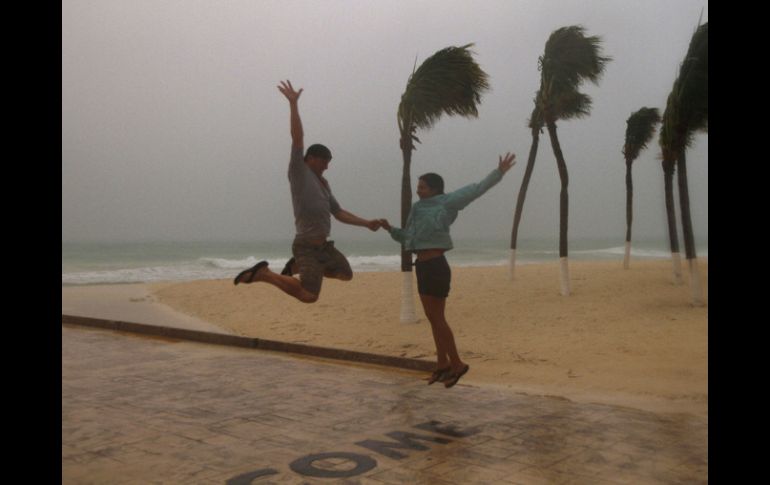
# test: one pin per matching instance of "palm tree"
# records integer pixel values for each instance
(570, 58)
(668, 165)
(687, 113)
(449, 82)
(536, 127)
(640, 127)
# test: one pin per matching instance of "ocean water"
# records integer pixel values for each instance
(146, 262)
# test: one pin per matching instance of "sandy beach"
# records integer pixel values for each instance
(625, 337)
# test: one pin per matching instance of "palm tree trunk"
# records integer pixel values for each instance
(408, 314)
(668, 176)
(629, 213)
(520, 199)
(689, 238)
(563, 208)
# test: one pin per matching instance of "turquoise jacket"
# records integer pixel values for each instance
(427, 226)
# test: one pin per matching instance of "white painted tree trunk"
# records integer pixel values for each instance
(564, 277)
(676, 260)
(408, 314)
(695, 286)
(512, 265)
(627, 258)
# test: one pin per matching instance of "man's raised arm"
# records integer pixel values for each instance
(297, 135)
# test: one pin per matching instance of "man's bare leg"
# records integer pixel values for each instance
(291, 269)
(287, 284)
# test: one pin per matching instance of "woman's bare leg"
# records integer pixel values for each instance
(446, 349)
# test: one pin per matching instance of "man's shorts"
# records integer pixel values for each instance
(433, 277)
(315, 262)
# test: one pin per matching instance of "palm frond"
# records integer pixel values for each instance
(570, 58)
(449, 82)
(687, 105)
(667, 129)
(565, 105)
(573, 105)
(640, 128)
(536, 120)
(693, 97)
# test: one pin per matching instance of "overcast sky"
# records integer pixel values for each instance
(173, 127)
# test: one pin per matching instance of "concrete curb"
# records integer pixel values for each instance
(249, 342)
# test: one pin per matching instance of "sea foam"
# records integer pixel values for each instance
(147, 263)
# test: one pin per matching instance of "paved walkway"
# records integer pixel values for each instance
(144, 410)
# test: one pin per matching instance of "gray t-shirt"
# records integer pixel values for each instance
(312, 199)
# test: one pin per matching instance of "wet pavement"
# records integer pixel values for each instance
(143, 410)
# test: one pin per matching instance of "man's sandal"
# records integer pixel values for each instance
(251, 272)
(287, 269)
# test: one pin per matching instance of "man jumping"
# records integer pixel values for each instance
(314, 204)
